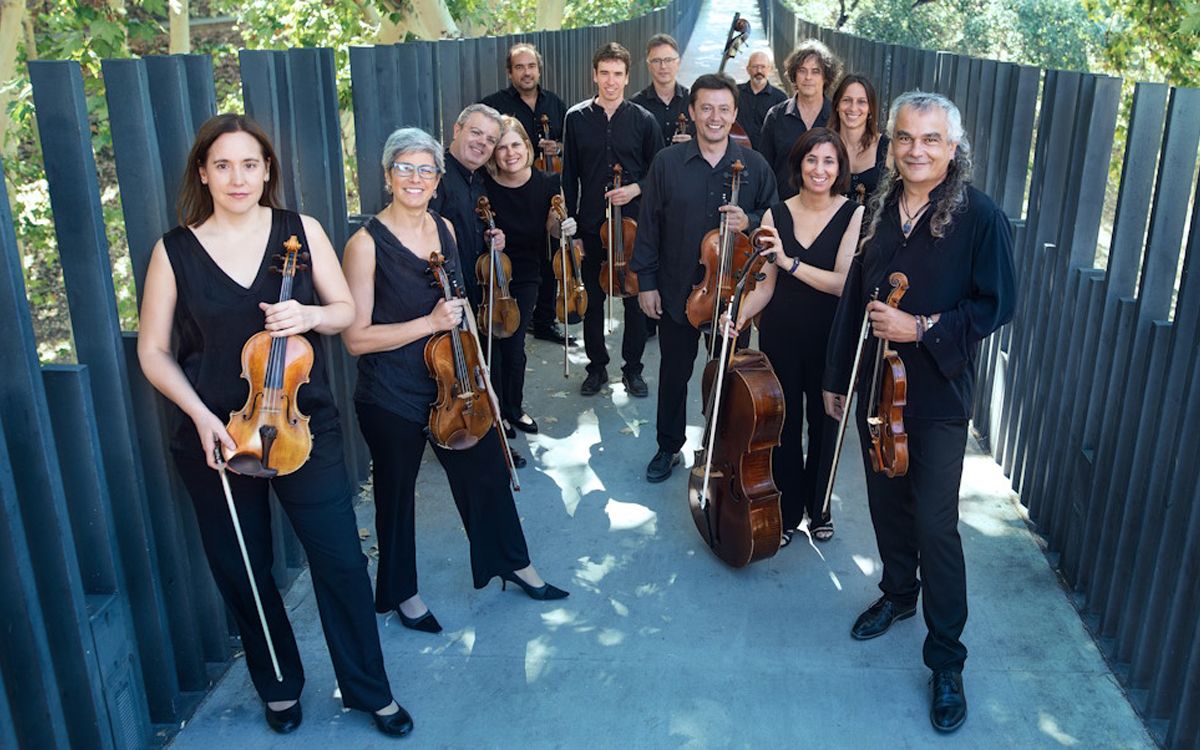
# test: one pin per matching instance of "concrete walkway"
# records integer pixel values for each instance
(663, 646)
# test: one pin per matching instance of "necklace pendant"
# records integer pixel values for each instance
(907, 227)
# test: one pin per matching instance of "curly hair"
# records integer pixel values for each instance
(831, 66)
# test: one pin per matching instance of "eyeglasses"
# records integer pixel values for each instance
(660, 61)
(424, 171)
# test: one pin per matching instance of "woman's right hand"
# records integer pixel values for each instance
(835, 404)
(447, 314)
(211, 430)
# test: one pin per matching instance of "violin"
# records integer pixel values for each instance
(618, 234)
(499, 314)
(571, 297)
(547, 161)
(681, 126)
(466, 407)
(739, 32)
(721, 252)
(889, 396)
(731, 492)
(272, 435)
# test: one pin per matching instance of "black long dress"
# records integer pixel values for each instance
(794, 333)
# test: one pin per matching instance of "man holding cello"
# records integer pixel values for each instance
(685, 195)
(948, 248)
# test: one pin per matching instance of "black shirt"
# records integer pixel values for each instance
(509, 102)
(782, 127)
(592, 144)
(967, 276)
(752, 109)
(667, 115)
(521, 212)
(456, 198)
(869, 178)
(680, 198)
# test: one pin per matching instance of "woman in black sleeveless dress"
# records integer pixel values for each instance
(856, 119)
(817, 230)
(396, 311)
(208, 285)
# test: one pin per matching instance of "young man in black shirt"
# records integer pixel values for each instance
(756, 96)
(526, 100)
(599, 133)
(684, 196)
(813, 71)
(955, 247)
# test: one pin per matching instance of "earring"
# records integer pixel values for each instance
(435, 193)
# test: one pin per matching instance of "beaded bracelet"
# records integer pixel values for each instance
(795, 265)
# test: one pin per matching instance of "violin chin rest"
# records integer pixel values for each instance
(249, 465)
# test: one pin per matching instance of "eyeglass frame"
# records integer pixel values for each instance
(431, 173)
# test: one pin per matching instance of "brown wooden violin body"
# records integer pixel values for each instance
(271, 434)
(546, 161)
(499, 315)
(570, 297)
(889, 396)
(723, 253)
(462, 413)
(618, 234)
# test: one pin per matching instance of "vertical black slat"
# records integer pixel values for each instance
(262, 78)
(1000, 103)
(36, 717)
(172, 115)
(431, 104)
(970, 97)
(469, 85)
(983, 99)
(368, 126)
(449, 68)
(147, 209)
(490, 61)
(201, 91)
(71, 173)
(1185, 728)
(117, 671)
(1024, 102)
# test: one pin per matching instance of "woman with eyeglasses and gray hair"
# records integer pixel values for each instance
(396, 311)
(955, 247)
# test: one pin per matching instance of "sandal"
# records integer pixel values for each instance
(786, 539)
(824, 532)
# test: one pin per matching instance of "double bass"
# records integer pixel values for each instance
(466, 406)
(617, 233)
(499, 314)
(739, 32)
(547, 161)
(571, 300)
(731, 492)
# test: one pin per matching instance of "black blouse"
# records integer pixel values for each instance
(967, 276)
(521, 213)
(869, 179)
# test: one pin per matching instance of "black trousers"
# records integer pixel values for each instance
(678, 343)
(801, 476)
(479, 483)
(916, 527)
(633, 341)
(508, 371)
(543, 311)
(318, 500)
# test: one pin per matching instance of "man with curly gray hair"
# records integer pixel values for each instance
(954, 247)
(812, 71)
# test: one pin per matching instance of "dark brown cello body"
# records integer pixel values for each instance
(271, 434)
(618, 234)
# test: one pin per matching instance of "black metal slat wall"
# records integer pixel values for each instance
(1083, 397)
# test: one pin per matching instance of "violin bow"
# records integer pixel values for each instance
(237, 530)
(841, 434)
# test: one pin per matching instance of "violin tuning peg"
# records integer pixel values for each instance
(301, 266)
(276, 269)
(304, 257)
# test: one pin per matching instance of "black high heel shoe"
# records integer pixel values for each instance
(286, 720)
(394, 725)
(426, 623)
(542, 593)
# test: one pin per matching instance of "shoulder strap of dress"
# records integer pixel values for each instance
(783, 219)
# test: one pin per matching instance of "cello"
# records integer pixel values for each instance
(466, 406)
(499, 314)
(547, 161)
(617, 233)
(571, 296)
(739, 32)
(731, 493)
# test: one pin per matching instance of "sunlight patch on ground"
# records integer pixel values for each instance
(565, 460)
(983, 476)
(866, 564)
(619, 608)
(702, 724)
(610, 637)
(538, 653)
(630, 517)
(557, 618)
(1049, 726)
(589, 574)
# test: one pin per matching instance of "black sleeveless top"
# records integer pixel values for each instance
(521, 213)
(869, 179)
(398, 380)
(797, 310)
(214, 316)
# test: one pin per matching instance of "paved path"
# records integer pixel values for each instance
(662, 646)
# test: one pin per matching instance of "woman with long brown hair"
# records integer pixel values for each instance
(208, 286)
(856, 119)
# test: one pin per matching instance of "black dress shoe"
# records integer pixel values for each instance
(545, 592)
(879, 617)
(509, 432)
(593, 383)
(660, 466)
(426, 623)
(635, 385)
(285, 721)
(517, 459)
(552, 333)
(948, 710)
(394, 725)
(529, 428)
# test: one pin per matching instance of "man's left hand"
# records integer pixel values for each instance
(735, 218)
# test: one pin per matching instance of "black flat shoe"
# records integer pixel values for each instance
(426, 623)
(635, 385)
(394, 725)
(879, 617)
(285, 721)
(509, 432)
(593, 383)
(517, 459)
(542, 593)
(529, 428)
(948, 709)
(660, 466)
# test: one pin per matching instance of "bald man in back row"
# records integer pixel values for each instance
(757, 95)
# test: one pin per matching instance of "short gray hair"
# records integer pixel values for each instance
(924, 101)
(482, 109)
(405, 140)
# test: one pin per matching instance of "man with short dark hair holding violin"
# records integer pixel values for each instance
(684, 196)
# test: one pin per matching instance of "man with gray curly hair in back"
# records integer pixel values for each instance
(954, 245)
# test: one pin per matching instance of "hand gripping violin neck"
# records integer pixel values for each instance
(547, 161)
(571, 299)
(618, 234)
(499, 314)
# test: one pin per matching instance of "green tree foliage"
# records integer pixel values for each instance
(1151, 38)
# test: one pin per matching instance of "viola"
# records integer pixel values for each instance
(466, 407)
(499, 314)
(618, 234)
(739, 32)
(272, 435)
(681, 126)
(547, 161)
(722, 252)
(731, 491)
(570, 295)
(889, 396)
